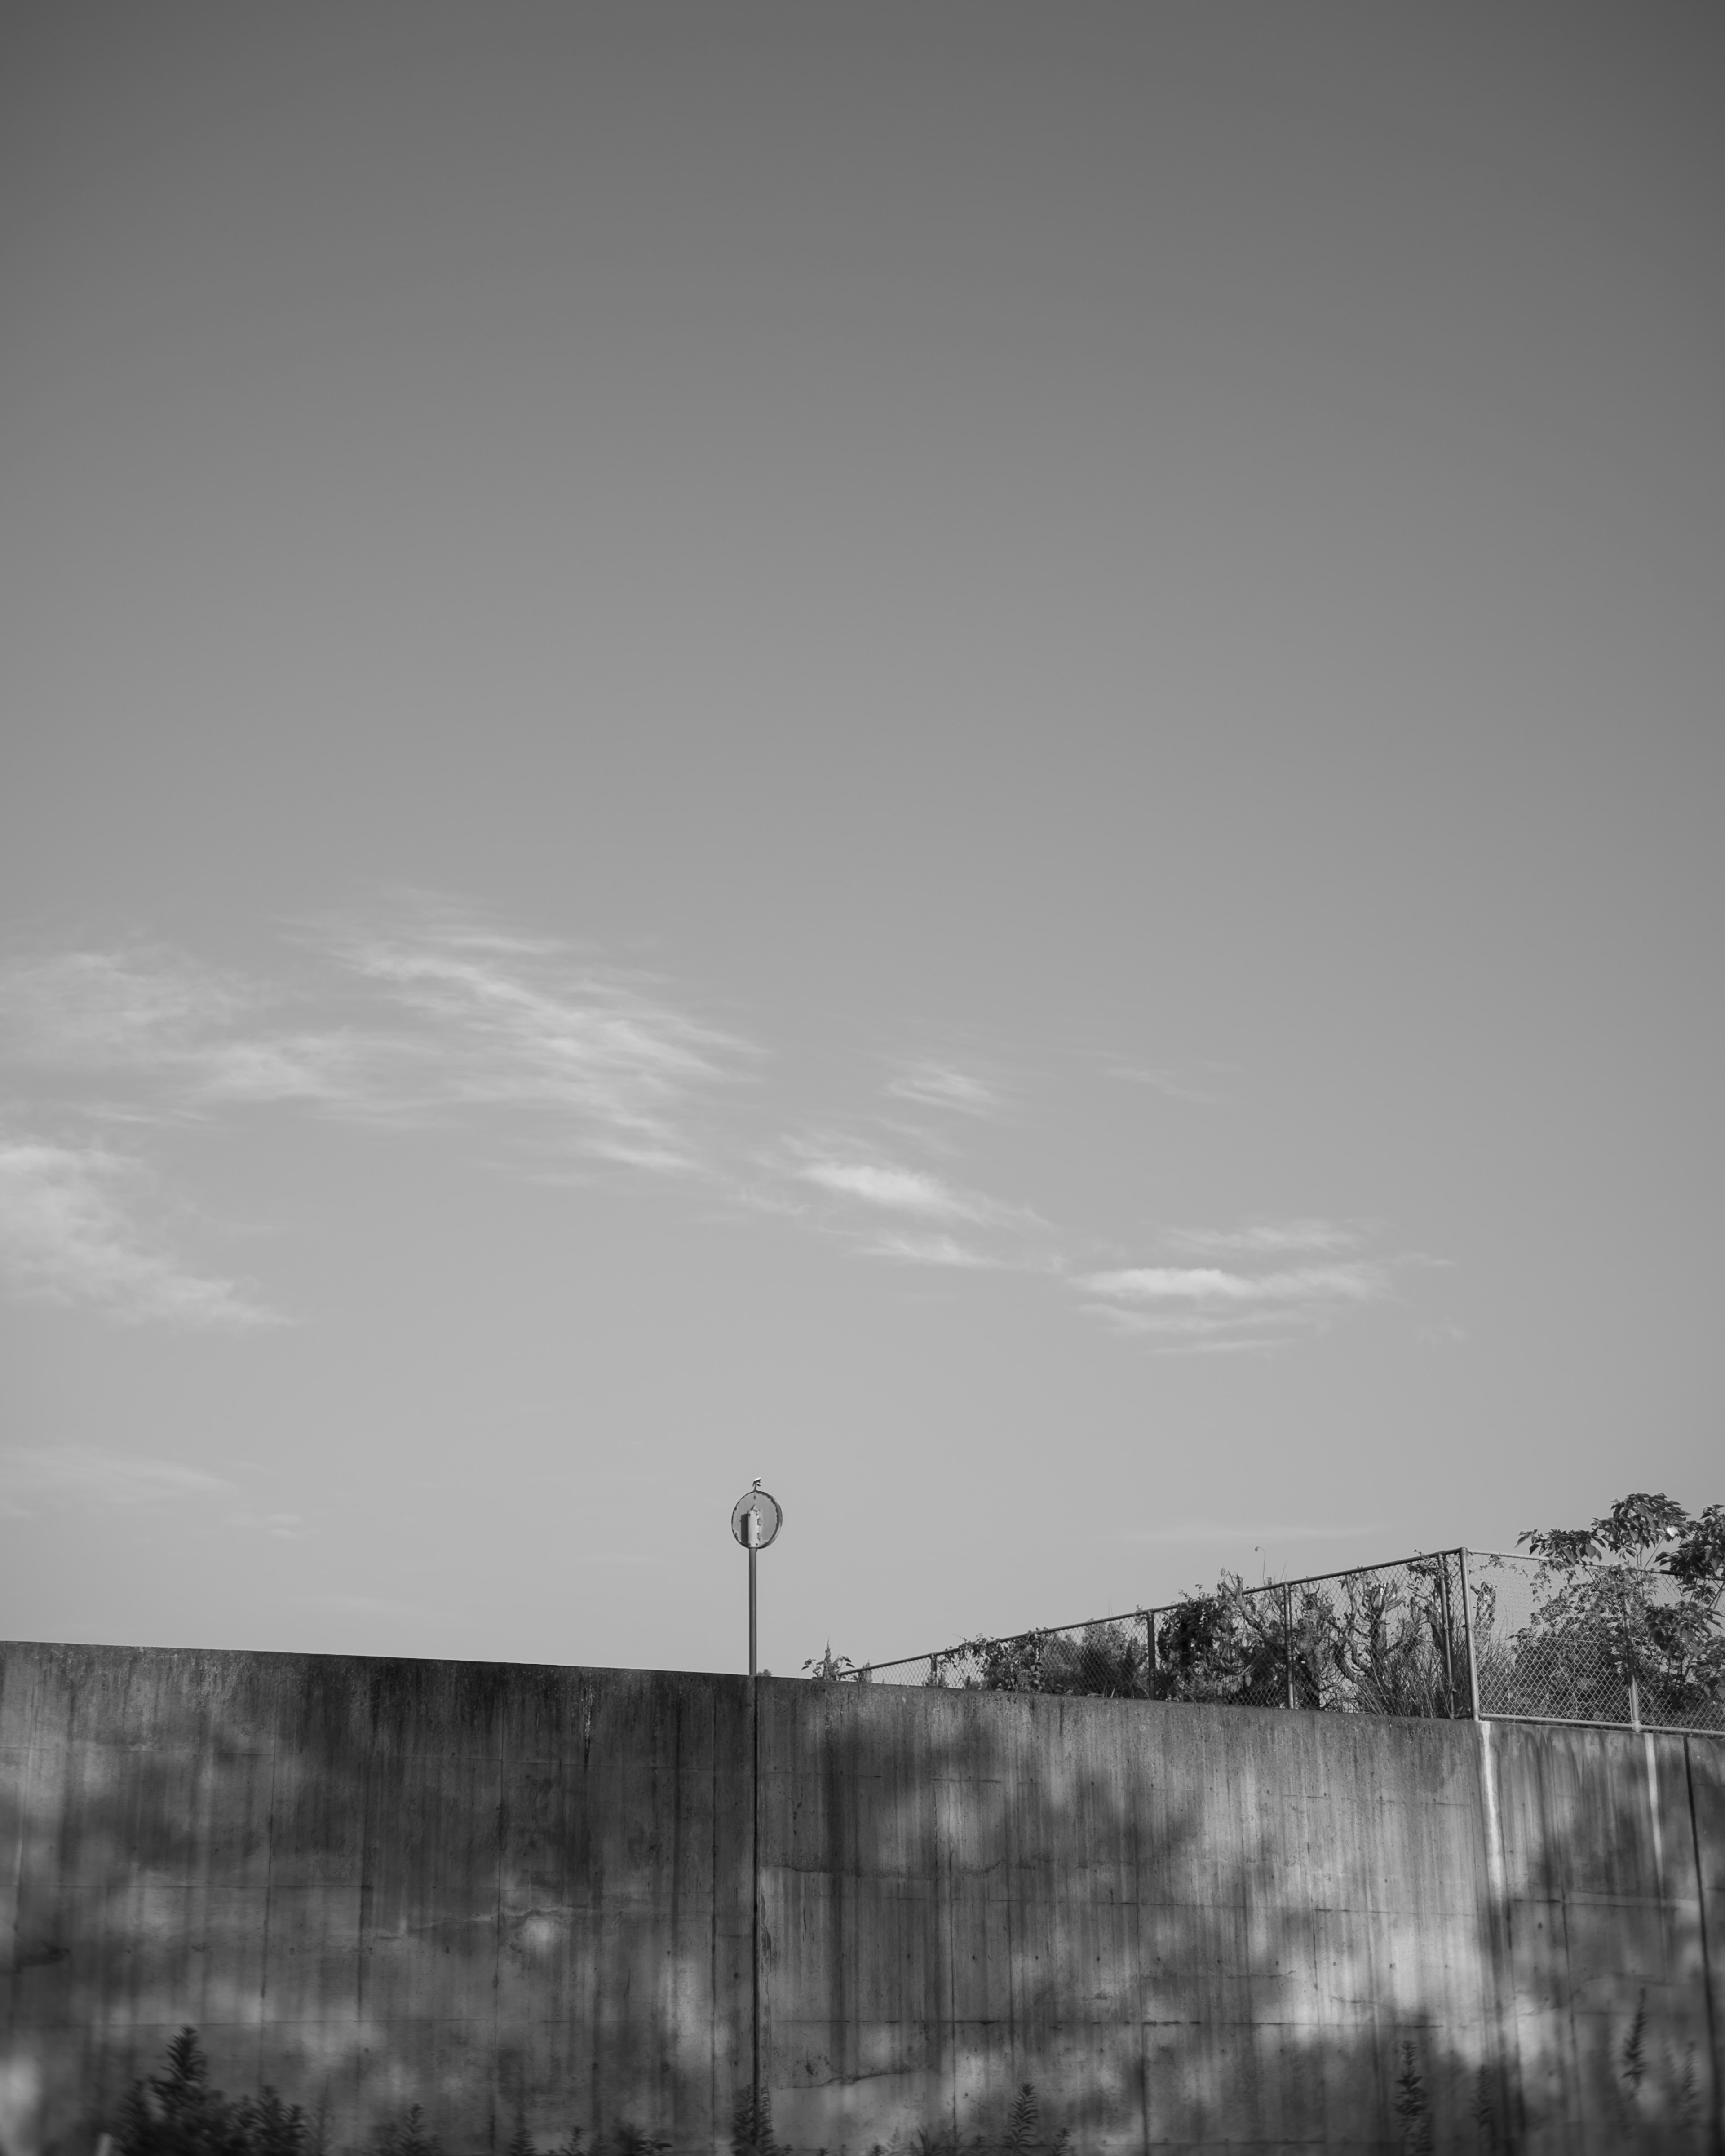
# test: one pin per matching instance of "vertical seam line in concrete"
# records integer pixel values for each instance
(1135, 1783)
(1659, 1878)
(269, 1873)
(1708, 2001)
(718, 1988)
(1507, 2030)
(24, 1830)
(497, 1933)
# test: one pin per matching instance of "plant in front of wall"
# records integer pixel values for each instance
(1686, 2094)
(178, 2112)
(521, 2143)
(1631, 2070)
(752, 2125)
(828, 1668)
(408, 2138)
(1023, 2122)
(1483, 2112)
(1413, 2108)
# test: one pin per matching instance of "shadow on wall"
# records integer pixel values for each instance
(486, 1889)
(1204, 1928)
(520, 1899)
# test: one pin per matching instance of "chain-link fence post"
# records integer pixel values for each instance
(1467, 1639)
(1448, 1635)
(1287, 1635)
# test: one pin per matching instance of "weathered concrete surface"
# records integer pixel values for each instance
(524, 1894)
(484, 1888)
(1209, 1927)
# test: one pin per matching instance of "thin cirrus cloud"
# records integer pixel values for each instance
(934, 1249)
(1229, 1532)
(939, 1086)
(511, 1023)
(425, 1016)
(1270, 1238)
(146, 1008)
(438, 1017)
(73, 1230)
(912, 1216)
(31, 1477)
(185, 1039)
(1255, 1301)
(896, 1190)
(1207, 1287)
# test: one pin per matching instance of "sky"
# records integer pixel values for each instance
(968, 757)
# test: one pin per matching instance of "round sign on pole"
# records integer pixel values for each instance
(756, 1518)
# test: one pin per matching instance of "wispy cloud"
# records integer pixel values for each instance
(1209, 1285)
(35, 1476)
(423, 1016)
(192, 1037)
(144, 1008)
(1202, 1084)
(939, 1086)
(70, 1232)
(508, 1022)
(946, 1250)
(997, 1236)
(1270, 1238)
(441, 1014)
(1252, 1538)
(1218, 1309)
(898, 1189)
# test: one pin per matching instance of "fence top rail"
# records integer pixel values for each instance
(1531, 1557)
(1637, 1729)
(1163, 1608)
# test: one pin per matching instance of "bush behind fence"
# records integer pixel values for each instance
(1452, 1633)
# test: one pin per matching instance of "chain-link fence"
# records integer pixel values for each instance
(1410, 1638)
(1593, 1643)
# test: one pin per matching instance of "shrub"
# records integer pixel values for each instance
(177, 2113)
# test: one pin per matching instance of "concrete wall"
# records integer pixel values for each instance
(521, 1893)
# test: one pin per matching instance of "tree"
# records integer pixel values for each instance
(177, 2113)
(1631, 1605)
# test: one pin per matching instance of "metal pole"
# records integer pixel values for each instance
(1287, 1633)
(755, 2135)
(1443, 1566)
(1473, 1659)
(754, 1529)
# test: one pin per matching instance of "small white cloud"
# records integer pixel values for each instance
(70, 1233)
(930, 1250)
(1194, 1333)
(899, 1189)
(283, 1526)
(1270, 1238)
(503, 1022)
(143, 1009)
(1201, 1084)
(32, 1476)
(191, 1036)
(336, 1070)
(443, 1016)
(1217, 1531)
(1216, 1309)
(1204, 1284)
(938, 1086)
